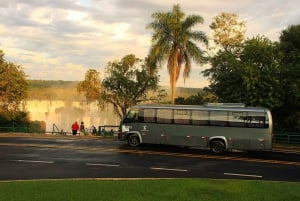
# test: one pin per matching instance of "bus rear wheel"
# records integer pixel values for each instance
(217, 146)
(133, 140)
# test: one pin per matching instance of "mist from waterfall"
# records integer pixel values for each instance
(62, 113)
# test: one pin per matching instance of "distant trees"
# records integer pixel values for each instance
(199, 99)
(13, 91)
(174, 40)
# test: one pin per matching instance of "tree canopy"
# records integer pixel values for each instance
(228, 31)
(288, 114)
(13, 89)
(126, 83)
(91, 86)
(174, 40)
(261, 73)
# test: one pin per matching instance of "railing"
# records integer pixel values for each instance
(15, 129)
(55, 130)
(108, 130)
(286, 137)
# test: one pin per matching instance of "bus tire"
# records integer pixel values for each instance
(217, 146)
(133, 140)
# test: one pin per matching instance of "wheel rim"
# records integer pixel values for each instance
(133, 141)
(217, 147)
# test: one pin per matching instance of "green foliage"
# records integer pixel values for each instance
(13, 88)
(249, 75)
(262, 73)
(127, 83)
(37, 126)
(288, 114)
(173, 41)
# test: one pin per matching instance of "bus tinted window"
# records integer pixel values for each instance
(218, 118)
(237, 119)
(181, 116)
(164, 116)
(131, 116)
(200, 117)
(256, 120)
(149, 115)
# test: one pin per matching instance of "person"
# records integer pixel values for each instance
(75, 128)
(82, 129)
(94, 130)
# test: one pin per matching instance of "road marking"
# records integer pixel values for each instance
(32, 161)
(243, 175)
(168, 169)
(102, 164)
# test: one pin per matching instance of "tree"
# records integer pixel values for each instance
(13, 88)
(228, 32)
(127, 83)
(174, 40)
(91, 86)
(289, 113)
(249, 76)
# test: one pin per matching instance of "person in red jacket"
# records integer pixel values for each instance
(75, 128)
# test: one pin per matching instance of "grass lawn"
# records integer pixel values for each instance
(154, 190)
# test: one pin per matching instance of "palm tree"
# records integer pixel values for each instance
(173, 40)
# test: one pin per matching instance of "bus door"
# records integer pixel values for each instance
(147, 125)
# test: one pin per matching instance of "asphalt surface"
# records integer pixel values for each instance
(26, 157)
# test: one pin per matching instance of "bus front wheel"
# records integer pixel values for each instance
(217, 146)
(133, 140)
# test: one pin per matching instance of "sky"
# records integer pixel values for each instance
(62, 39)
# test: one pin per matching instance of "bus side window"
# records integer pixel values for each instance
(256, 120)
(182, 117)
(218, 118)
(149, 115)
(200, 117)
(164, 116)
(237, 119)
(131, 116)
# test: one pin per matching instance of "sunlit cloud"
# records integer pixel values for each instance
(62, 39)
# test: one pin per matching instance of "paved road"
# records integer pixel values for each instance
(57, 157)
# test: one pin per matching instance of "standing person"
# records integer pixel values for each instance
(82, 130)
(75, 128)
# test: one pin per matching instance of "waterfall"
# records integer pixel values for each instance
(64, 113)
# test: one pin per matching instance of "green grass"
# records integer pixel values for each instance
(138, 190)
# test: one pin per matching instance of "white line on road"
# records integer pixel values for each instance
(168, 169)
(243, 175)
(31, 161)
(102, 164)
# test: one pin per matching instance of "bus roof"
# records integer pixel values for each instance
(224, 107)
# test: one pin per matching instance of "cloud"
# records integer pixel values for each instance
(62, 39)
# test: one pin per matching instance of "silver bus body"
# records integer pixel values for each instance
(218, 127)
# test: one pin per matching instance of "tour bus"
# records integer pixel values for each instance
(219, 127)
